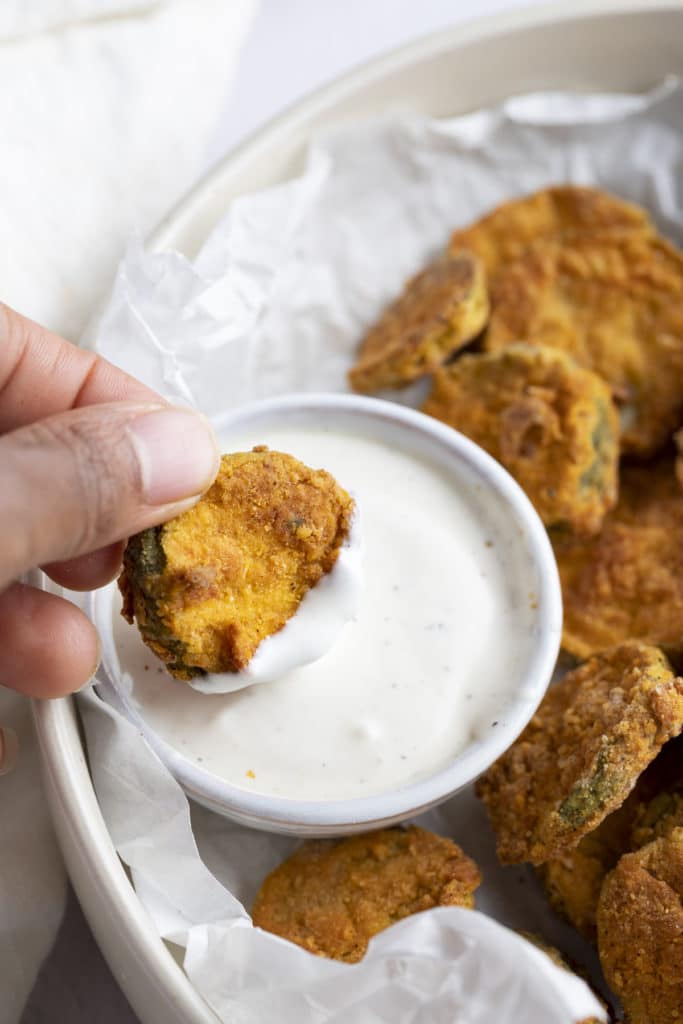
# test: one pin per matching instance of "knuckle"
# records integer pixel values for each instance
(69, 484)
(88, 448)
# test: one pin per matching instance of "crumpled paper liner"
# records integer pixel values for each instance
(276, 301)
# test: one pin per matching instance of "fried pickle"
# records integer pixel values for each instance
(640, 931)
(572, 881)
(207, 587)
(582, 753)
(627, 582)
(563, 210)
(438, 312)
(331, 896)
(678, 438)
(552, 424)
(658, 817)
(615, 302)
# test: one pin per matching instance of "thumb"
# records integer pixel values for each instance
(77, 481)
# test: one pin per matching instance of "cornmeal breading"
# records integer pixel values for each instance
(552, 213)
(552, 424)
(627, 582)
(582, 753)
(207, 587)
(615, 302)
(678, 438)
(332, 895)
(573, 881)
(640, 931)
(658, 817)
(438, 312)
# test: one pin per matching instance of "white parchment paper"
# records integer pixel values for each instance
(276, 301)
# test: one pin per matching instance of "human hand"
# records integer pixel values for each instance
(88, 456)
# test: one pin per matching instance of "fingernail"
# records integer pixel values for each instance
(177, 453)
(9, 748)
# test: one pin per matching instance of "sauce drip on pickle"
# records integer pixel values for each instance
(428, 663)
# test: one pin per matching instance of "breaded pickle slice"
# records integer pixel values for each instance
(573, 881)
(627, 582)
(658, 817)
(615, 302)
(582, 753)
(438, 312)
(207, 587)
(552, 424)
(333, 895)
(640, 931)
(678, 438)
(549, 214)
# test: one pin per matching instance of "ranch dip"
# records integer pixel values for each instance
(311, 632)
(428, 663)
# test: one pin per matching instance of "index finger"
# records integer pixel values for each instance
(42, 374)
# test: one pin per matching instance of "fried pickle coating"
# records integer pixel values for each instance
(207, 587)
(678, 438)
(552, 213)
(627, 582)
(615, 302)
(331, 896)
(552, 424)
(640, 931)
(573, 881)
(658, 817)
(438, 312)
(582, 753)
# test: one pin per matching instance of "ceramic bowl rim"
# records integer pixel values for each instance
(307, 816)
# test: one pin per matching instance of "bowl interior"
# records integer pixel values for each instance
(528, 564)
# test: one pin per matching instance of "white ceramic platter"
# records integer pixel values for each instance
(611, 45)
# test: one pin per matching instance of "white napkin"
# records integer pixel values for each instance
(104, 121)
(106, 107)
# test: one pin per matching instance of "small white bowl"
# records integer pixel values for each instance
(518, 524)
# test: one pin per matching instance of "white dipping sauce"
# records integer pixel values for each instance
(311, 632)
(430, 662)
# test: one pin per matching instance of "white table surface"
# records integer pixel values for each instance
(294, 46)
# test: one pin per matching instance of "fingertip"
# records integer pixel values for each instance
(88, 572)
(48, 648)
(177, 454)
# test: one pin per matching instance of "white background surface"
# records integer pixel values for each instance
(294, 46)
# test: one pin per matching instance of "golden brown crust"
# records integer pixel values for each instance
(438, 312)
(208, 586)
(678, 438)
(627, 582)
(615, 302)
(572, 881)
(580, 756)
(552, 424)
(504, 234)
(332, 896)
(640, 931)
(658, 817)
